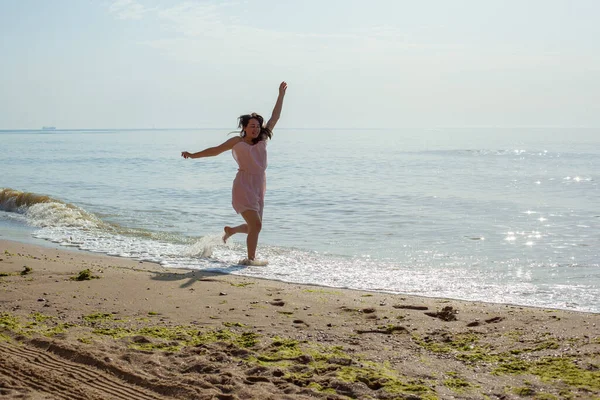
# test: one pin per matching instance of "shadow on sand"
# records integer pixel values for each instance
(192, 276)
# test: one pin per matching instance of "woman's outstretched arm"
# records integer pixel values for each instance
(278, 106)
(213, 151)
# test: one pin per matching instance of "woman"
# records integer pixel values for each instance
(250, 151)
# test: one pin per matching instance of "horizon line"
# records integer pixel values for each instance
(316, 128)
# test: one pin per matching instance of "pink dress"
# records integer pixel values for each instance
(250, 183)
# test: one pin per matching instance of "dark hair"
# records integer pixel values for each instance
(265, 133)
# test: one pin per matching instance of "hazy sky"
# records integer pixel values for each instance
(348, 63)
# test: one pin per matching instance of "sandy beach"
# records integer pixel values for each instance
(75, 325)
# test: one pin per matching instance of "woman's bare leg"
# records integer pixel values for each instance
(229, 231)
(254, 225)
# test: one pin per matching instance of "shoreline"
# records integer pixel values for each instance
(158, 332)
(38, 242)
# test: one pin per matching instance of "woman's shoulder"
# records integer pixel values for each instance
(235, 140)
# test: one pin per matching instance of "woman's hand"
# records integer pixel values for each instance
(282, 88)
(185, 154)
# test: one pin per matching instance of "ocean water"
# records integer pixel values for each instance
(497, 215)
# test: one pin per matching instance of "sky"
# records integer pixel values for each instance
(348, 63)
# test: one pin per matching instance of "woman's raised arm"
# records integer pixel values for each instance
(278, 106)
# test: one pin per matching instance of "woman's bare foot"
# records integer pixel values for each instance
(255, 263)
(228, 232)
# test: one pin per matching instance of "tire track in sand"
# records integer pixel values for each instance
(30, 379)
(52, 374)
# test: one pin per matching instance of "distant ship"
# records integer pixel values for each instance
(48, 128)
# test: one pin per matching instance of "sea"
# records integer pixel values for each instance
(503, 215)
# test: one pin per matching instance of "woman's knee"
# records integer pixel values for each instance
(253, 221)
(255, 226)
